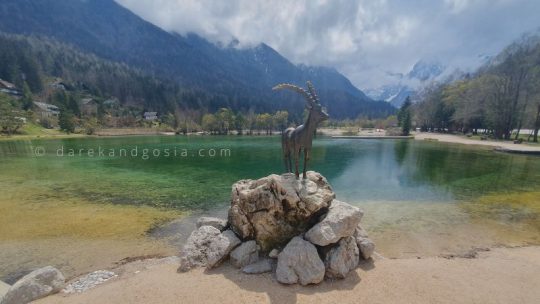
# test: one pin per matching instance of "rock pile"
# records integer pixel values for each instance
(299, 223)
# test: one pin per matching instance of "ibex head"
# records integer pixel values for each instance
(313, 104)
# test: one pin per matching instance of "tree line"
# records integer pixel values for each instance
(500, 100)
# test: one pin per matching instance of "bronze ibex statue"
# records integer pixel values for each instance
(295, 139)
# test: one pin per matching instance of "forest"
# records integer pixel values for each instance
(500, 100)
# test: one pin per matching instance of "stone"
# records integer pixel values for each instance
(207, 246)
(359, 231)
(194, 252)
(90, 281)
(341, 221)
(35, 285)
(274, 209)
(299, 262)
(262, 266)
(220, 247)
(366, 247)
(342, 258)
(215, 222)
(4, 287)
(273, 253)
(245, 254)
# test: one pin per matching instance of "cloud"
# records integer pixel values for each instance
(367, 40)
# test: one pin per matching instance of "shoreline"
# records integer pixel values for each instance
(502, 146)
(494, 275)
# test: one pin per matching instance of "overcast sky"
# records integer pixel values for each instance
(366, 40)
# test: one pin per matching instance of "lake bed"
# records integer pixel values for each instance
(83, 212)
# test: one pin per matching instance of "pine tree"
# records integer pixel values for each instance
(65, 120)
(404, 117)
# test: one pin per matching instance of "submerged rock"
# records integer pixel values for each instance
(215, 222)
(274, 209)
(262, 266)
(299, 262)
(342, 258)
(245, 254)
(35, 285)
(340, 221)
(89, 281)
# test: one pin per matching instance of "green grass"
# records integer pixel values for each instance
(31, 130)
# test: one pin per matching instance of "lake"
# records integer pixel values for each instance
(86, 203)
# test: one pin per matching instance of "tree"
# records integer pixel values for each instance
(66, 121)
(281, 120)
(225, 120)
(240, 123)
(10, 118)
(209, 123)
(405, 117)
(26, 99)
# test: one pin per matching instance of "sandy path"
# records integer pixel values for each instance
(462, 140)
(502, 275)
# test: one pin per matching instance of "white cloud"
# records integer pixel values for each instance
(364, 39)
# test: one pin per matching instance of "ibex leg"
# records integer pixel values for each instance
(296, 157)
(306, 159)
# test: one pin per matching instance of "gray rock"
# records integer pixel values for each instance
(273, 253)
(262, 266)
(4, 287)
(220, 248)
(215, 222)
(299, 262)
(35, 285)
(342, 258)
(360, 231)
(245, 254)
(207, 246)
(274, 209)
(366, 246)
(340, 221)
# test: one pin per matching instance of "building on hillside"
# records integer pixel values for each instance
(88, 107)
(58, 84)
(151, 116)
(9, 88)
(111, 102)
(45, 110)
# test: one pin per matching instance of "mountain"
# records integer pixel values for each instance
(237, 78)
(423, 72)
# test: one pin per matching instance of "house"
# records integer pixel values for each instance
(9, 88)
(151, 116)
(88, 107)
(57, 84)
(111, 103)
(46, 110)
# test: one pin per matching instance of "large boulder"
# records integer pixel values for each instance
(207, 246)
(299, 262)
(35, 285)
(341, 221)
(274, 209)
(215, 222)
(342, 258)
(245, 254)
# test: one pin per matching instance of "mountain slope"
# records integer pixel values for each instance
(239, 78)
